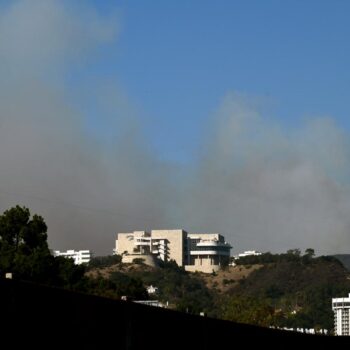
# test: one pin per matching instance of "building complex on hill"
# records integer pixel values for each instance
(341, 307)
(204, 252)
(79, 256)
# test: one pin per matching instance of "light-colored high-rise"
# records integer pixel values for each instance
(204, 252)
(341, 307)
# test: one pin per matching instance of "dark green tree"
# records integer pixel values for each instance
(24, 251)
(295, 252)
(23, 243)
(244, 309)
(310, 252)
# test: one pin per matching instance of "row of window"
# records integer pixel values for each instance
(341, 304)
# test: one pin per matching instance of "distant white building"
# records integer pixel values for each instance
(249, 252)
(341, 308)
(152, 290)
(79, 256)
(155, 303)
(241, 255)
(303, 330)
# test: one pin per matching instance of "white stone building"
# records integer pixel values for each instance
(79, 256)
(204, 252)
(341, 308)
(152, 290)
(248, 253)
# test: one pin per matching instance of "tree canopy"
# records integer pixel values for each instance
(24, 251)
(23, 242)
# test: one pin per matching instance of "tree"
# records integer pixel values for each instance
(307, 257)
(23, 242)
(295, 252)
(310, 252)
(244, 309)
(24, 251)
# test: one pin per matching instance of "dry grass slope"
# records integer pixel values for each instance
(124, 268)
(225, 279)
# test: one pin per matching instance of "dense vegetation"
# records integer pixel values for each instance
(292, 255)
(290, 289)
(293, 290)
(24, 251)
(184, 291)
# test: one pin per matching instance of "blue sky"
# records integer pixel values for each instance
(176, 60)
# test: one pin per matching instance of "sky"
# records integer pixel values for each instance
(225, 116)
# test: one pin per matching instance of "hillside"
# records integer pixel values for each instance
(293, 291)
(107, 271)
(285, 277)
(344, 259)
(226, 279)
(282, 290)
(180, 290)
(221, 282)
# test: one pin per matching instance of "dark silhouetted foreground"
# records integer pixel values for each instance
(37, 315)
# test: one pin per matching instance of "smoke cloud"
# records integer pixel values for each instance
(261, 185)
(85, 188)
(270, 188)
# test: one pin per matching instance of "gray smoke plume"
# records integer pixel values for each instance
(86, 190)
(272, 189)
(262, 186)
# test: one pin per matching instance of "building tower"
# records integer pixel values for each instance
(341, 308)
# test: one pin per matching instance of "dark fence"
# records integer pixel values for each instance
(32, 314)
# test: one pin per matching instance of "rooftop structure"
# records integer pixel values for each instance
(204, 252)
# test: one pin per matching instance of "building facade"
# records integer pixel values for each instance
(79, 256)
(204, 252)
(341, 307)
